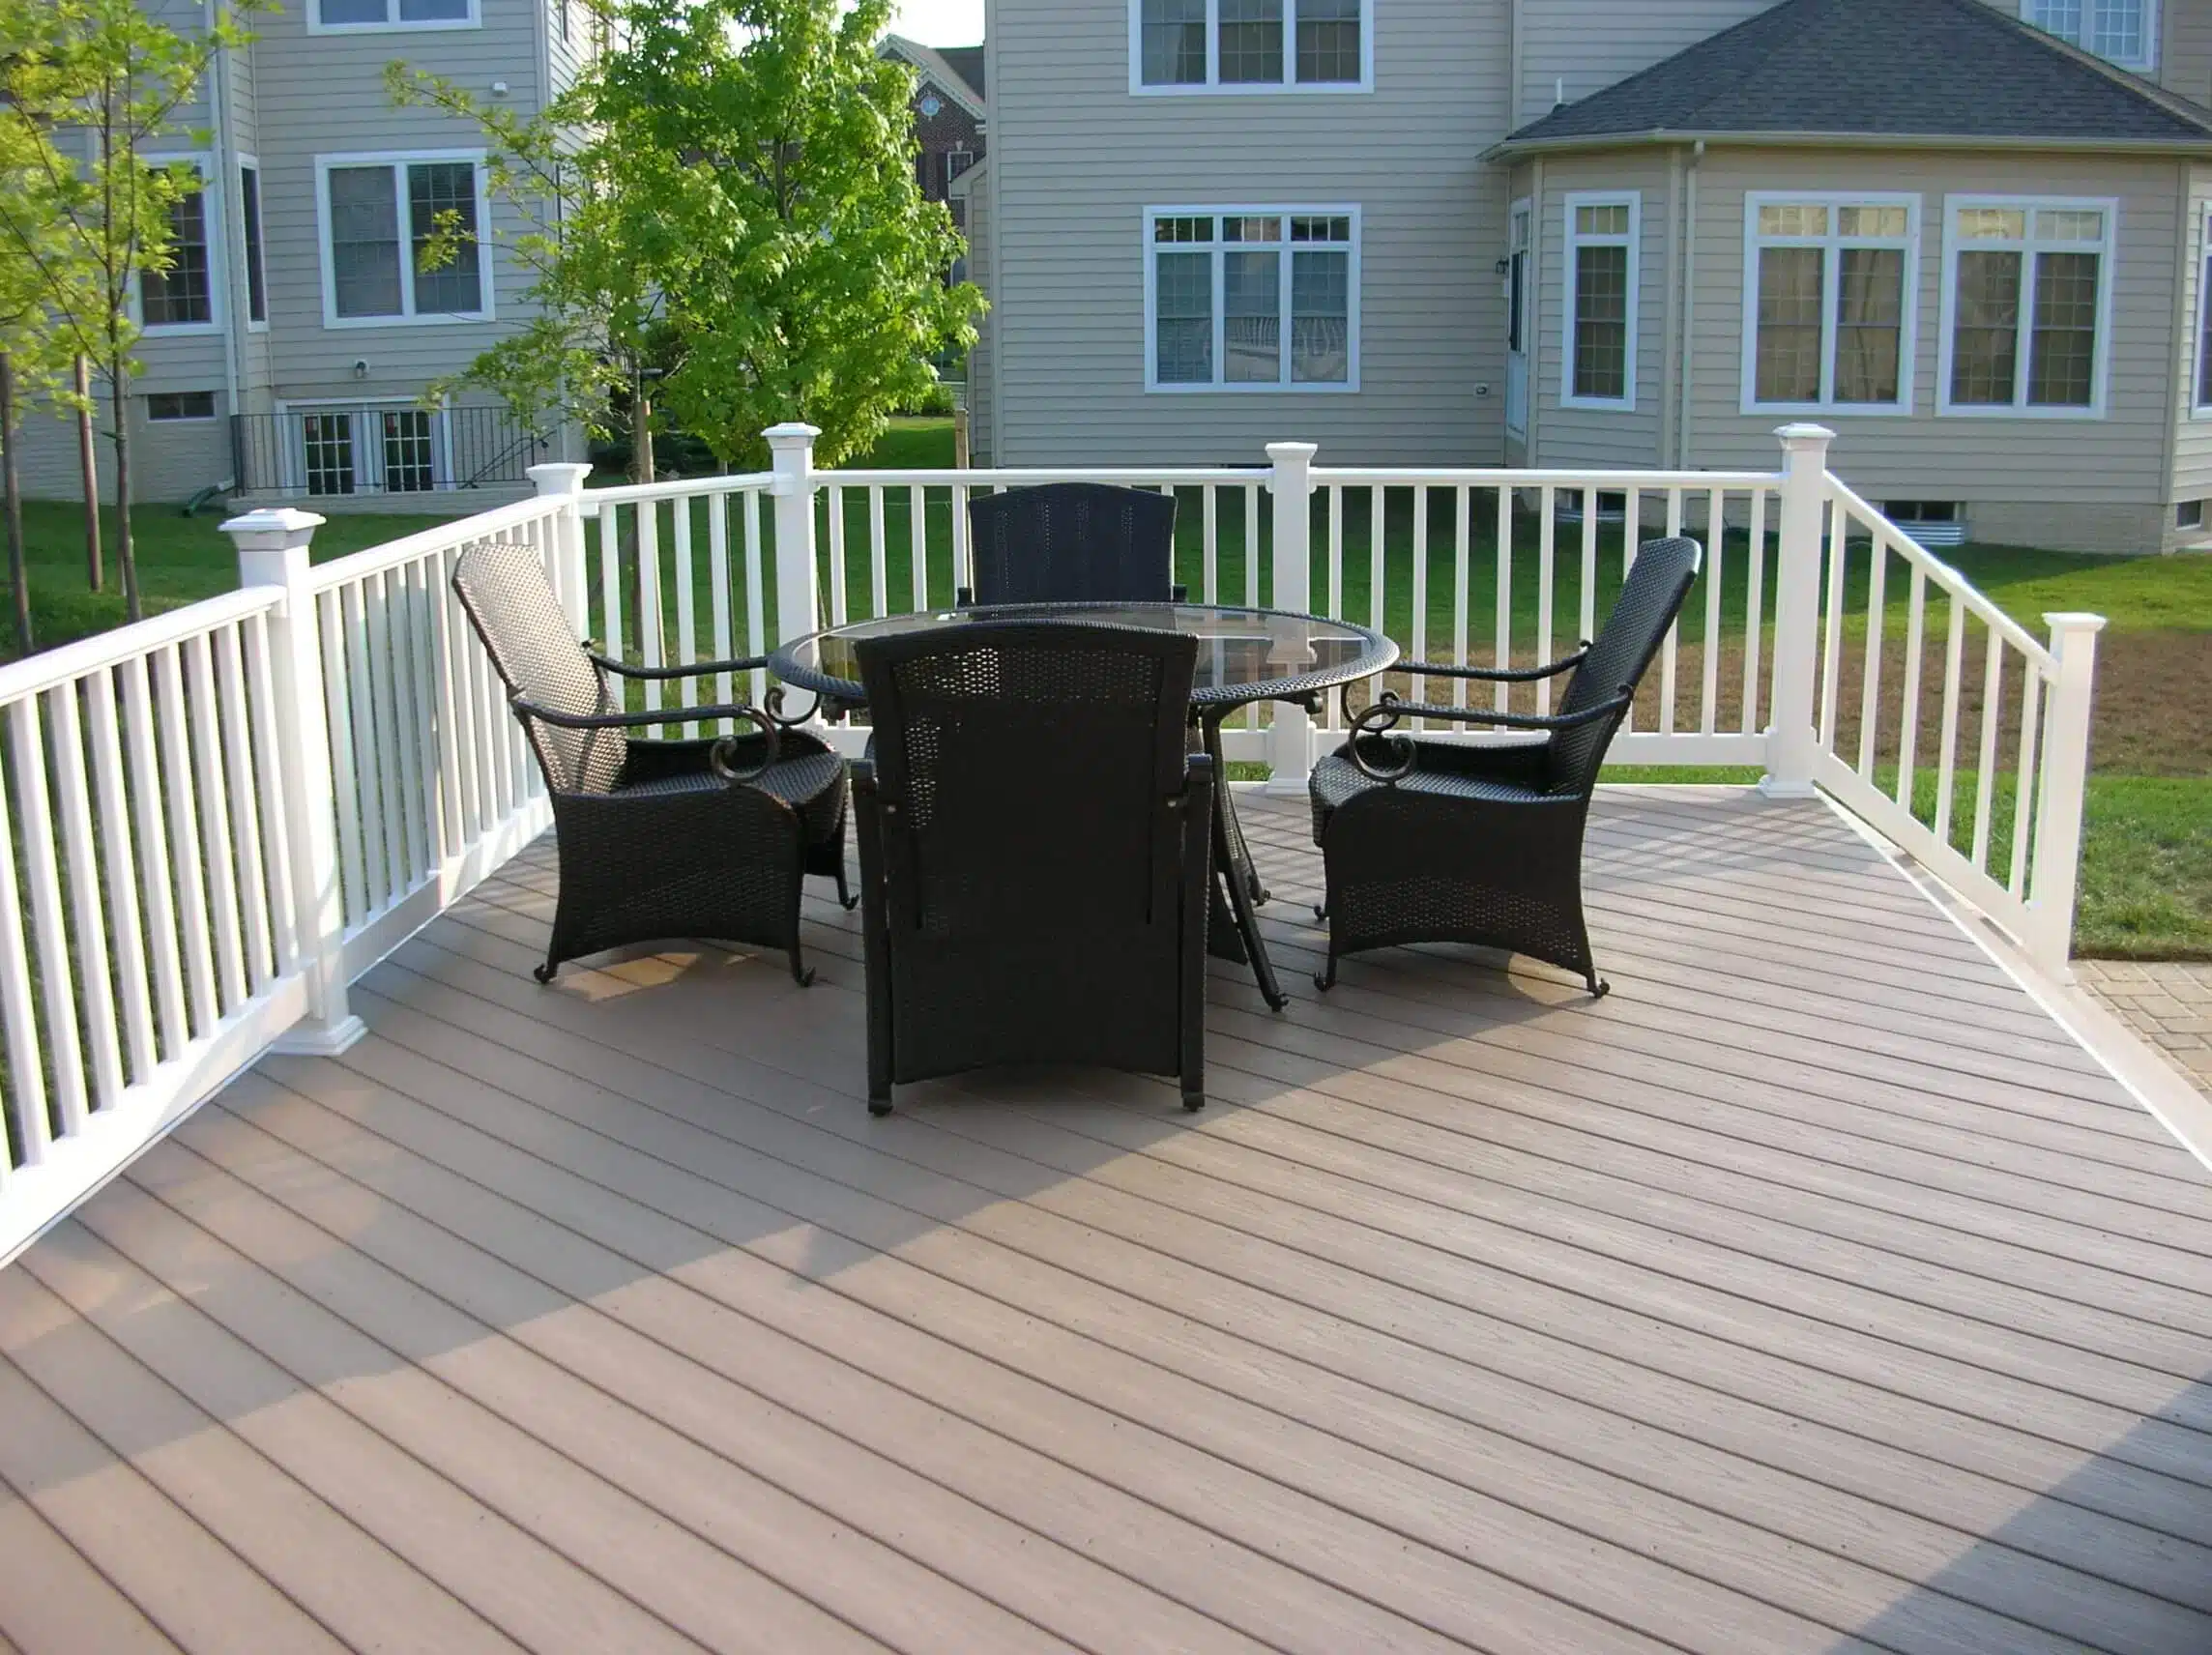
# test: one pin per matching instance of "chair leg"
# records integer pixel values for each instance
(1193, 1100)
(801, 973)
(544, 974)
(845, 897)
(880, 1103)
(1599, 988)
(1321, 911)
(1326, 979)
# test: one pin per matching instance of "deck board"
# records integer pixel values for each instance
(1813, 1292)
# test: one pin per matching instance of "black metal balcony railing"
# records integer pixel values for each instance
(382, 448)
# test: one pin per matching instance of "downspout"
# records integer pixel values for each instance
(1539, 215)
(1671, 323)
(223, 188)
(1689, 311)
(1514, 49)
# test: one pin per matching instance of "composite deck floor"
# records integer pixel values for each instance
(1813, 1292)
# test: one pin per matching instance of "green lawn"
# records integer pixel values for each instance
(2147, 873)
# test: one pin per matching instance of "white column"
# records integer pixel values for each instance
(791, 456)
(1791, 742)
(272, 551)
(1290, 745)
(564, 480)
(2058, 870)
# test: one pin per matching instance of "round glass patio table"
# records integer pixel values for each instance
(1244, 655)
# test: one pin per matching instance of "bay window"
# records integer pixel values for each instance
(1252, 299)
(2027, 285)
(1598, 360)
(1197, 46)
(1828, 321)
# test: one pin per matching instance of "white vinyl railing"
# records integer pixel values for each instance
(214, 820)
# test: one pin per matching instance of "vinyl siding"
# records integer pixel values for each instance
(1593, 436)
(2116, 460)
(170, 461)
(1077, 158)
(2185, 50)
(1593, 44)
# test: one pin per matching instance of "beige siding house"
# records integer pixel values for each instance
(289, 352)
(1586, 232)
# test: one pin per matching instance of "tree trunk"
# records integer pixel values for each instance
(125, 555)
(88, 459)
(18, 576)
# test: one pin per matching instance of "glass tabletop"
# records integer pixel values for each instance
(1244, 655)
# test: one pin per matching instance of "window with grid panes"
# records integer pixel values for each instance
(1828, 280)
(2028, 304)
(182, 295)
(1601, 285)
(1250, 43)
(1252, 299)
(439, 272)
(2124, 32)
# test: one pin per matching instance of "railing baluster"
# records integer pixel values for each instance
(1986, 761)
(1754, 610)
(245, 813)
(184, 838)
(1253, 558)
(1463, 525)
(1418, 631)
(718, 598)
(651, 623)
(89, 933)
(409, 729)
(1668, 650)
(686, 610)
(610, 581)
(1709, 689)
(879, 555)
(1832, 638)
(1870, 691)
(962, 573)
(382, 692)
(1502, 618)
(42, 875)
(261, 702)
(918, 543)
(756, 598)
(1947, 758)
(1547, 571)
(1909, 728)
(2025, 798)
(1589, 593)
(120, 866)
(457, 652)
(145, 792)
(1209, 543)
(421, 690)
(25, 1098)
(205, 741)
(1631, 531)
(838, 613)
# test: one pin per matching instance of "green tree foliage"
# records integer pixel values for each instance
(103, 82)
(725, 202)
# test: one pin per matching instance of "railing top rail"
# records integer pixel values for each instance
(675, 488)
(1004, 477)
(1944, 575)
(1494, 476)
(74, 660)
(444, 538)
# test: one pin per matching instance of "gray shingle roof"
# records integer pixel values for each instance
(967, 61)
(1950, 69)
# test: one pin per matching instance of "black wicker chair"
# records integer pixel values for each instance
(661, 838)
(1442, 842)
(1072, 543)
(1035, 844)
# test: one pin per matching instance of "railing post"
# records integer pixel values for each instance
(1791, 742)
(272, 551)
(2057, 867)
(564, 482)
(791, 456)
(1290, 744)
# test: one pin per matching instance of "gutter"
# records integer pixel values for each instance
(1512, 149)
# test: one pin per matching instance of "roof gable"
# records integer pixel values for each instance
(1904, 68)
(957, 72)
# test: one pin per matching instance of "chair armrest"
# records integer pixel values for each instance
(1495, 675)
(719, 760)
(697, 669)
(1384, 715)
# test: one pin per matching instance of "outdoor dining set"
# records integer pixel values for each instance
(1048, 845)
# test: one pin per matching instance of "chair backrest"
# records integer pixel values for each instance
(1649, 600)
(1072, 543)
(512, 605)
(1026, 769)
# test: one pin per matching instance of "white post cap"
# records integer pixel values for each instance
(1802, 433)
(559, 477)
(2074, 620)
(273, 528)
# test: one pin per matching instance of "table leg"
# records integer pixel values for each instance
(1234, 864)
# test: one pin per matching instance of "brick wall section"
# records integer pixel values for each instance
(940, 134)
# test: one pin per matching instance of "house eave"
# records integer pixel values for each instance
(1515, 149)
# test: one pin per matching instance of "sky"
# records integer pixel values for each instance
(939, 22)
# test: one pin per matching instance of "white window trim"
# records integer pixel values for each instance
(245, 278)
(2153, 22)
(1269, 388)
(2099, 371)
(215, 216)
(2198, 410)
(392, 25)
(407, 318)
(1213, 87)
(1831, 291)
(1572, 244)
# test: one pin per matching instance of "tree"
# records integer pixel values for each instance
(112, 81)
(733, 203)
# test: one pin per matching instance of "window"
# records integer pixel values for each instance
(1252, 299)
(256, 270)
(957, 161)
(1828, 322)
(329, 15)
(1597, 364)
(166, 405)
(561, 20)
(2123, 30)
(386, 220)
(2189, 515)
(2203, 397)
(182, 295)
(1249, 45)
(2029, 297)
(371, 450)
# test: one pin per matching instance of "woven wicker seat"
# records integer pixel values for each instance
(658, 838)
(1428, 841)
(1034, 853)
(1072, 543)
